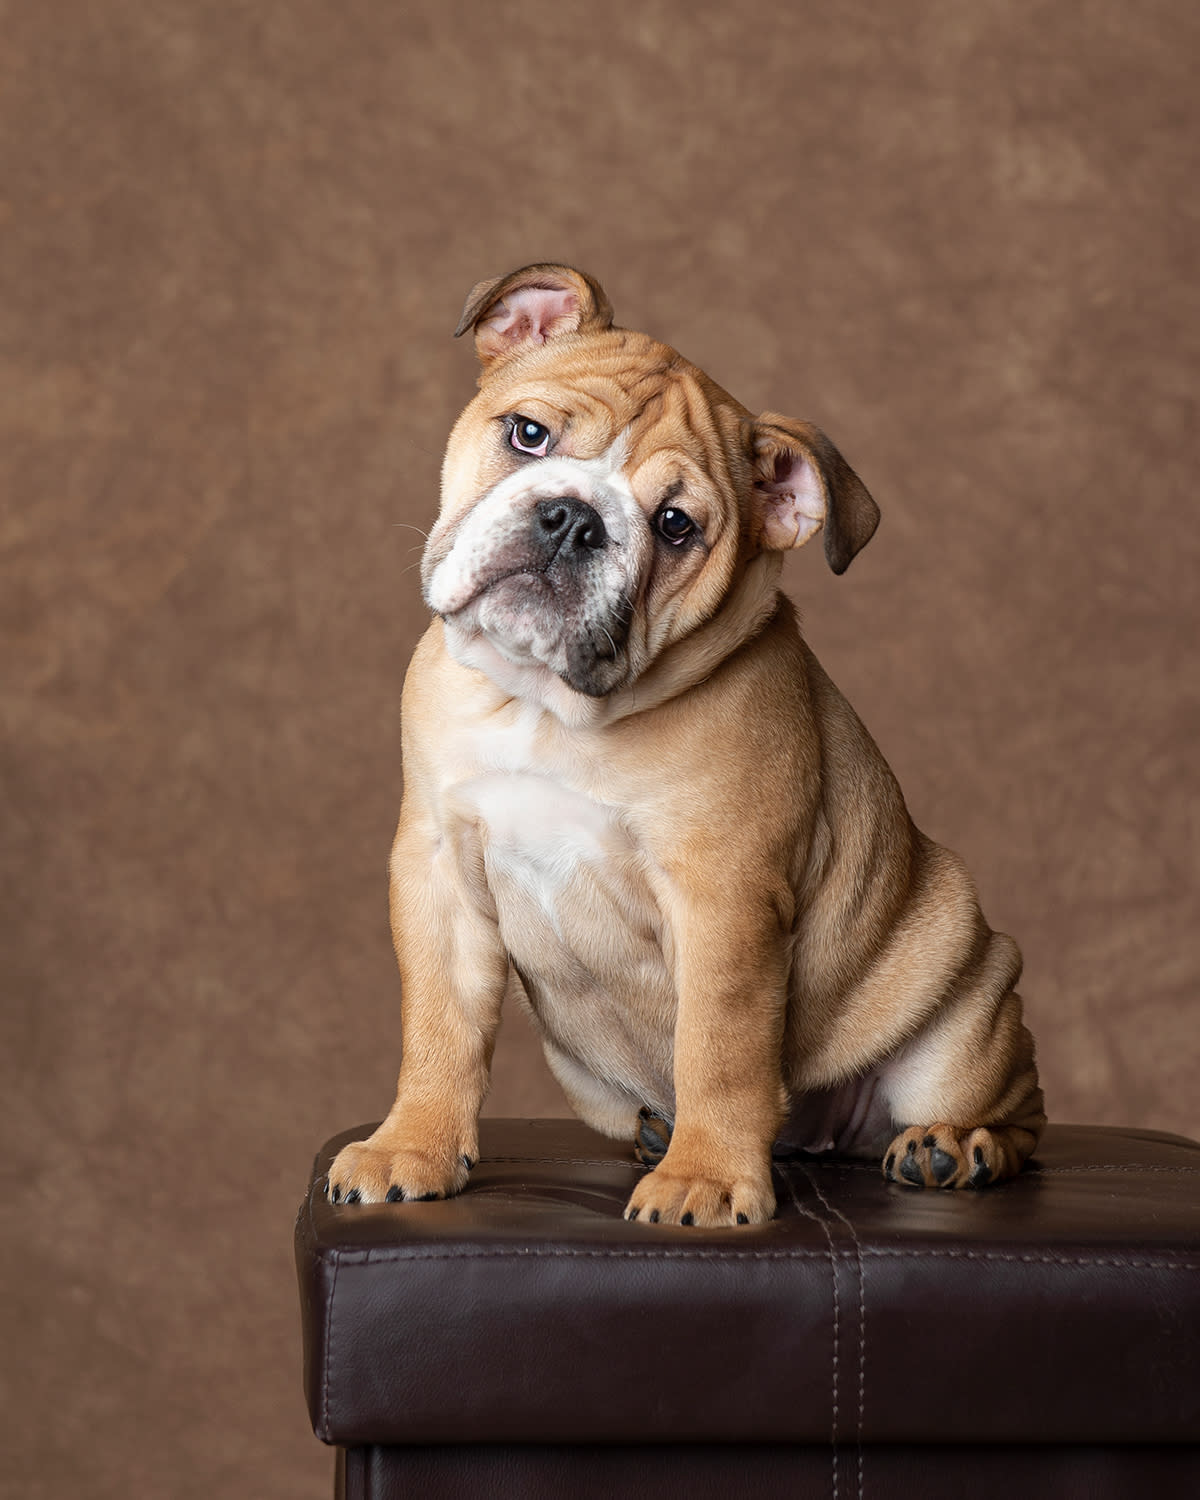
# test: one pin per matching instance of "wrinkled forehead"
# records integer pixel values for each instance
(623, 393)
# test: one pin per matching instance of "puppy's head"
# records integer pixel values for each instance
(602, 498)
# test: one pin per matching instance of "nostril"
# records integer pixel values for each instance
(591, 534)
(553, 516)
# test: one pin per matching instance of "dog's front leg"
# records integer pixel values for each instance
(453, 971)
(731, 982)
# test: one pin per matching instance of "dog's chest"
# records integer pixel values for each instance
(541, 838)
(569, 882)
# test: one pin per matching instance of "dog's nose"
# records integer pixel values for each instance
(568, 522)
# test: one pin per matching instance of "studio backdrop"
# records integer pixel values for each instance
(235, 239)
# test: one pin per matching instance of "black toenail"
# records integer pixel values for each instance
(687, 1219)
(353, 1196)
(632, 1214)
(336, 1194)
(469, 1162)
(425, 1198)
(394, 1195)
(889, 1164)
(653, 1218)
(911, 1149)
(742, 1219)
(929, 1141)
(977, 1155)
(980, 1176)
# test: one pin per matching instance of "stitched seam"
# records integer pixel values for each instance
(862, 1323)
(663, 1252)
(833, 1372)
(1042, 1260)
(337, 1259)
(1112, 1167)
(385, 1253)
(840, 1164)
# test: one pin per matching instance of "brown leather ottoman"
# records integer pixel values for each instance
(1039, 1339)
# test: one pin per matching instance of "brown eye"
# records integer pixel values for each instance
(529, 437)
(674, 525)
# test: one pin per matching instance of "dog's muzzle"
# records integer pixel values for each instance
(547, 581)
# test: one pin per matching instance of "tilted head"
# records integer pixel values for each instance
(603, 499)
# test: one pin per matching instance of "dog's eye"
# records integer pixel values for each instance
(674, 525)
(529, 437)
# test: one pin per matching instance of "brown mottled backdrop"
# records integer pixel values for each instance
(235, 238)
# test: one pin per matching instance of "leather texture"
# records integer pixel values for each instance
(768, 1472)
(1060, 1308)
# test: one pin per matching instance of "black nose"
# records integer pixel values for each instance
(567, 522)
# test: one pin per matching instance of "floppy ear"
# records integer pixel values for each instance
(530, 306)
(801, 483)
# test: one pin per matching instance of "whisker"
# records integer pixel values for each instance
(611, 642)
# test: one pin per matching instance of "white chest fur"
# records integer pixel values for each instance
(573, 903)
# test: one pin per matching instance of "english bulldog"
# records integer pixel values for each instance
(629, 784)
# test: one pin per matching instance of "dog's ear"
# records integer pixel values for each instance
(530, 306)
(801, 483)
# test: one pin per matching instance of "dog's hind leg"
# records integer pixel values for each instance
(964, 1094)
(947, 1156)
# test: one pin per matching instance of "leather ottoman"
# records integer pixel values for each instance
(1038, 1339)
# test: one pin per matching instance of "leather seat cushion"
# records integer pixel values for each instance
(1062, 1307)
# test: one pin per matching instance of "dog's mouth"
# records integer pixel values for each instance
(520, 581)
(531, 618)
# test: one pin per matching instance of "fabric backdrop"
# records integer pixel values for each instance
(234, 240)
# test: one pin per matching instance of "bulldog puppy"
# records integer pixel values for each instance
(629, 783)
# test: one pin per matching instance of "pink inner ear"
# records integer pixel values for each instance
(793, 502)
(531, 313)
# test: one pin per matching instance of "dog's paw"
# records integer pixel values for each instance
(367, 1172)
(946, 1156)
(669, 1195)
(652, 1137)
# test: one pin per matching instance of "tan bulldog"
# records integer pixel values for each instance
(629, 783)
